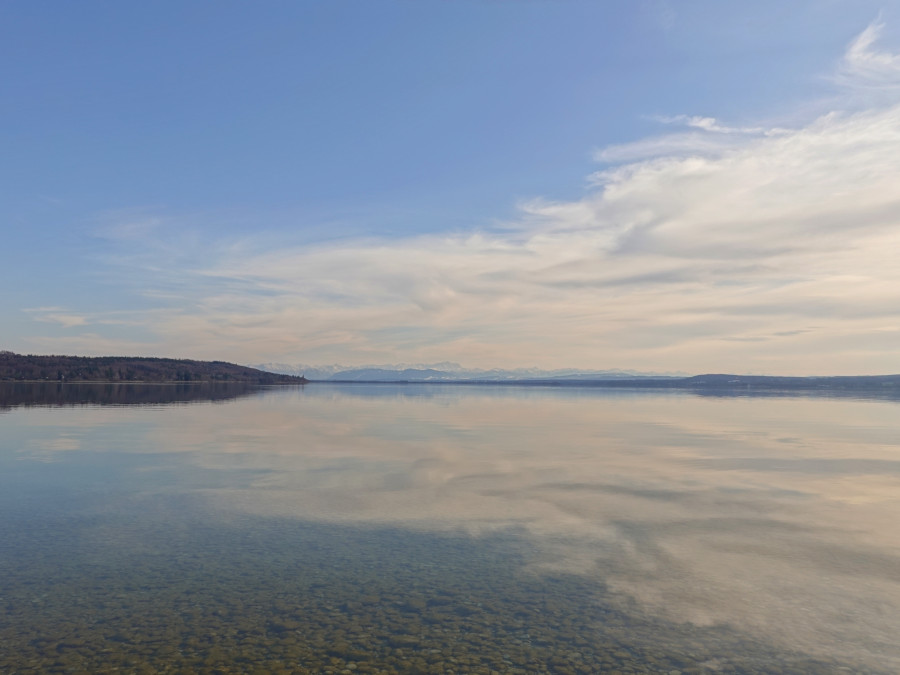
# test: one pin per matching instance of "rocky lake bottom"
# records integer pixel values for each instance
(287, 598)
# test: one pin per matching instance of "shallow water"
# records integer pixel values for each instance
(439, 529)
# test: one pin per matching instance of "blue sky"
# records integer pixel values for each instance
(695, 185)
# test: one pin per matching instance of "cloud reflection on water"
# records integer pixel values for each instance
(777, 516)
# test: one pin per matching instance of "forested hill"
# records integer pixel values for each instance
(19, 367)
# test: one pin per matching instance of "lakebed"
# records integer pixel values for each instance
(436, 529)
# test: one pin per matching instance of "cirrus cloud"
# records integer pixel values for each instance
(740, 248)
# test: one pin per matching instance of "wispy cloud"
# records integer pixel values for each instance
(57, 315)
(707, 137)
(721, 247)
(865, 66)
(667, 145)
(714, 125)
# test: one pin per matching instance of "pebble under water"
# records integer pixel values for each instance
(149, 591)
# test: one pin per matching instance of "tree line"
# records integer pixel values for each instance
(20, 367)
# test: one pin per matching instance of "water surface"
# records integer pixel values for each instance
(438, 529)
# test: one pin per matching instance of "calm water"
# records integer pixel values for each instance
(446, 529)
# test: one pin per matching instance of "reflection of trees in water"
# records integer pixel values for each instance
(29, 394)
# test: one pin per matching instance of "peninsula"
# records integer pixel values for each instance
(24, 368)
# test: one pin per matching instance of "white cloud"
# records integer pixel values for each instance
(668, 145)
(713, 125)
(721, 248)
(709, 138)
(58, 315)
(865, 66)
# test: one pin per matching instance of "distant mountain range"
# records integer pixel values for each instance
(449, 372)
(882, 386)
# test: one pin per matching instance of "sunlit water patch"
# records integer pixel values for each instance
(448, 529)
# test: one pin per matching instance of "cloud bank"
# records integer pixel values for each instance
(716, 248)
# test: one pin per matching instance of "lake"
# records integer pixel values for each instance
(446, 529)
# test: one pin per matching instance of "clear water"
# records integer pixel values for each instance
(445, 529)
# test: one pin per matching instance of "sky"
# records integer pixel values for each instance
(659, 185)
